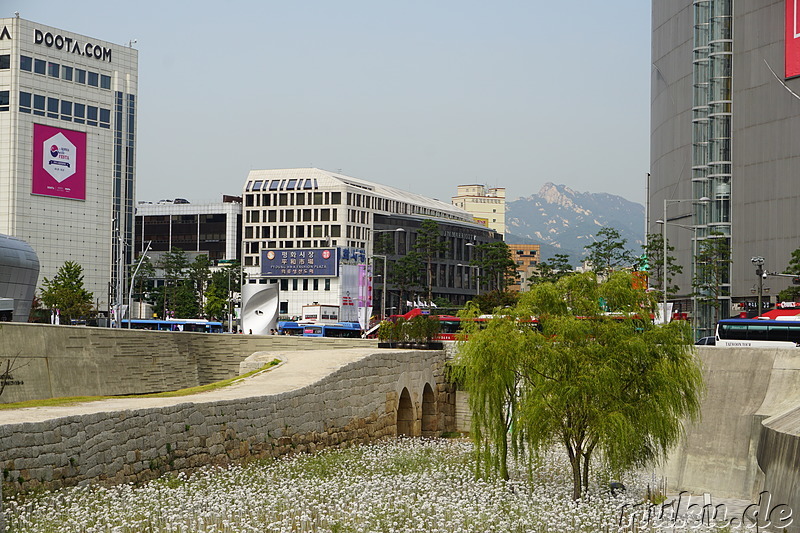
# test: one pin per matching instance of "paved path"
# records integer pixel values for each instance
(298, 369)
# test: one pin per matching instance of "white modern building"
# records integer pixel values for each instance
(210, 229)
(67, 149)
(486, 204)
(287, 212)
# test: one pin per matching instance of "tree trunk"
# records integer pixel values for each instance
(575, 462)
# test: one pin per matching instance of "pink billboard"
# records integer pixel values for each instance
(792, 40)
(59, 162)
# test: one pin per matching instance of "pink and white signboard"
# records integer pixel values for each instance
(792, 39)
(59, 162)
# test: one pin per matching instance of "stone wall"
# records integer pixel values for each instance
(356, 404)
(62, 361)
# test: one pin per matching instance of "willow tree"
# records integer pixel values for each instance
(586, 380)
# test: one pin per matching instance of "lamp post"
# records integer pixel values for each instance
(668, 201)
(693, 229)
(130, 289)
(758, 262)
(383, 286)
(477, 283)
(385, 260)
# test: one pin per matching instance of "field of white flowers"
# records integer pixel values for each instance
(404, 485)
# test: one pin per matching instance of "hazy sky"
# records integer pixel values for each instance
(421, 95)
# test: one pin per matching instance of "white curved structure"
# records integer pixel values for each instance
(259, 308)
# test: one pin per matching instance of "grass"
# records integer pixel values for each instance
(55, 402)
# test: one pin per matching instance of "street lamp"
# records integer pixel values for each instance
(384, 280)
(383, 285)
(668, 201)
(477, 282)
(130, 289)
(758, 262)
(693, 229)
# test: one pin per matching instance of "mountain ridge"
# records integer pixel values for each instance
(563, 220)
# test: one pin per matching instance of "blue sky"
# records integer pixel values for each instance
(421, 95)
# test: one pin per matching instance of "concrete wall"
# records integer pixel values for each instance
(356, 404)
(61, 361)
(748, 439)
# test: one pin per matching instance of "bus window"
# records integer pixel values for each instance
(757, 332)
(733, 331)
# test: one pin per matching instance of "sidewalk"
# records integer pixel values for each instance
(297, 370)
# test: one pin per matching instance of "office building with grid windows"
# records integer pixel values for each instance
(67, 150)
(311, 209)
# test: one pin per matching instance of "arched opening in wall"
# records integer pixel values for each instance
(429, 419)
(405, 415)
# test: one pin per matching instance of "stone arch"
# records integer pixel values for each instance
(405, 414)
(430, 420)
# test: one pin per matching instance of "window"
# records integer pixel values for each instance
(79, 112)
(38, 105)
(292, 185)
(80, 75)
(327, 284)
(66, 110)
(39, 66)
(54, 70)
(105, 118)
(274, 184)
(284, 284)
(257, 185)
(5, 62)
(66, 73)
(5, 100)
(105, 81)
(336, 198)
(91, 115)
(294, 284)
(93, 79)
(25, 102)
(25, 63)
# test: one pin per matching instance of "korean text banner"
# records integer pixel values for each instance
(314, 262)
(59, 162)
(792, 40)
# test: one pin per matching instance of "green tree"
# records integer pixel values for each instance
(712, 272)
(554, 269)
(429, 246)
(174, 264)
(493, 301)
(792, 292)
(654, 249)
(199, 273)
(66, 293)
(223, 282)
(405, 274)
(607, 253)
(495, 262)
(614, 385)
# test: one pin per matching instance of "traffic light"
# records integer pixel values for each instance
(796, 280)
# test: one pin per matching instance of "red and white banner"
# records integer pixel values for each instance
(792, 40)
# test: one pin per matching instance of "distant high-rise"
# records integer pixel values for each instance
(486, 205)
(67, 149)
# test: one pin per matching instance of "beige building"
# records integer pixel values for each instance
(487, 205)
(526, 256)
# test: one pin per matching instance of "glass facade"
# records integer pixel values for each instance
(711, 140)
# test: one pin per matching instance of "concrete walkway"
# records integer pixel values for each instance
(297, 370)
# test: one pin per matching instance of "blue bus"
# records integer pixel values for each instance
(189, 324)
(342, 329)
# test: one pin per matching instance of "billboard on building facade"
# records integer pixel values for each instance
(310, 262)
(792, 40)
(59, 162)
